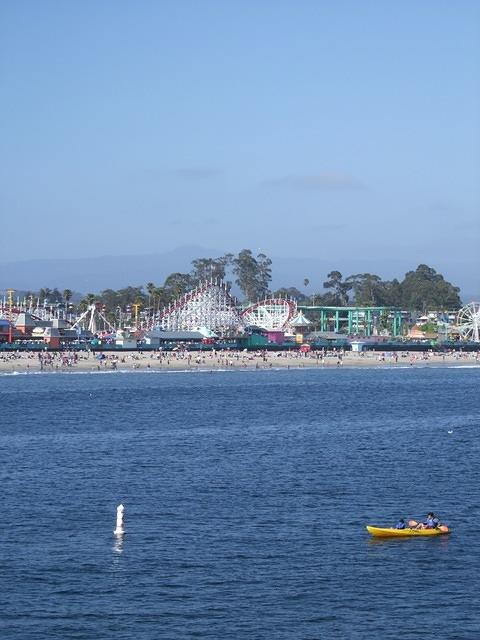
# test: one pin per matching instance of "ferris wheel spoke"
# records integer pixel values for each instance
(468, 321)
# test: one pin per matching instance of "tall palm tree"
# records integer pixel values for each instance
(150, 288)
(44, 294)
(67, 296)
(89, 299)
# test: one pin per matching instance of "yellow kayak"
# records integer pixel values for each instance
(389, 532)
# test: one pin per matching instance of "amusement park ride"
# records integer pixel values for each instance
(271, 314)
(468, 321)
(90, 320)
(211, 306)
(208, 305)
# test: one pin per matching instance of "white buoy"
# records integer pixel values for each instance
(119, 531)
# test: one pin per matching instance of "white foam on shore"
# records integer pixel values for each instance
(153, 371)
(292, 367)
(121, 371)
(463, 366)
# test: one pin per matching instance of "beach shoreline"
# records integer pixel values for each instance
(69, 362)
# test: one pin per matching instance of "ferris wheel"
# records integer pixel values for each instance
(468, 321)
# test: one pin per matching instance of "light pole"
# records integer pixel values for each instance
(10, 293)
(136, 305)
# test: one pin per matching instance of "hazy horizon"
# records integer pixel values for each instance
(115, 272)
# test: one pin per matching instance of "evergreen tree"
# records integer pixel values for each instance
(67, 296)
(44, 295)
(340, 287)
(253, 274)
(425, 289)
(177, 284)
(206, 269)
(264, 276)
(366, 288)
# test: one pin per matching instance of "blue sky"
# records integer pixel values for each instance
(323, 128)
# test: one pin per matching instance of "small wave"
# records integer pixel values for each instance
(238, 368)
(463, 366)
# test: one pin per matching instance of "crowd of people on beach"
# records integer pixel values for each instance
(219, 359)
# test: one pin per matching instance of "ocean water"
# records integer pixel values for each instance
(246, 497)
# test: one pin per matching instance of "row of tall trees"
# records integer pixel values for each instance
(252, 275)
(421, 289)
(50, 296)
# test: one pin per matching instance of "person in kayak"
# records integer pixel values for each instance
(431, 522)
(401, 524)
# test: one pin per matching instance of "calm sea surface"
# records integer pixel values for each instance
(246, 496)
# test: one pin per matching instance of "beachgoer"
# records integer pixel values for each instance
(401, 524)
(431, 522)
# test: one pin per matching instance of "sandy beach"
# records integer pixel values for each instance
(25, 362)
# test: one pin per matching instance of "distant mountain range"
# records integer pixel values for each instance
(95, 274)
(87, 275)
